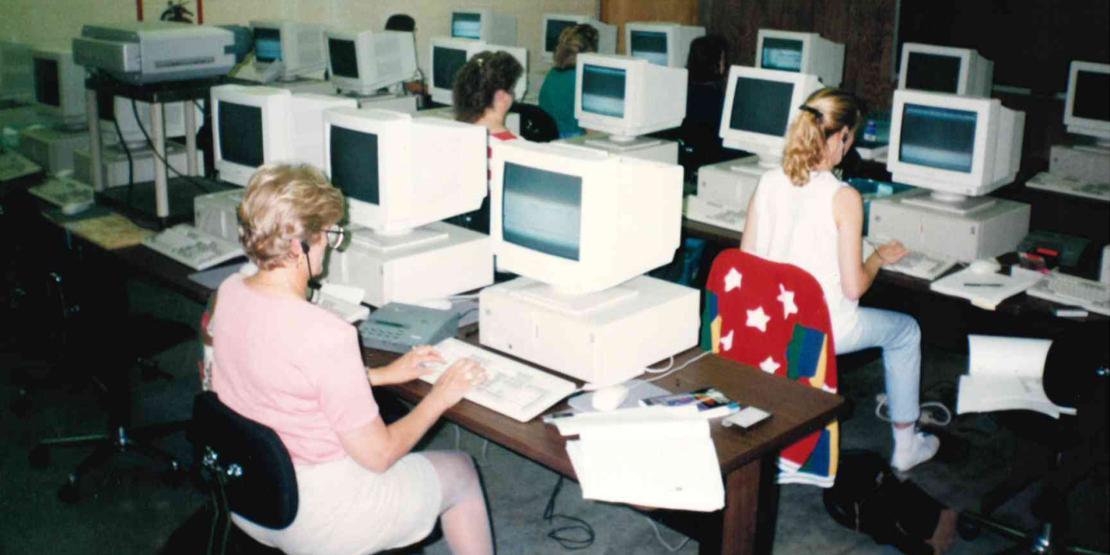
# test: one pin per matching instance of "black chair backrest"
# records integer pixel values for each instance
(264, 487)
(400, 22)
(536, 124)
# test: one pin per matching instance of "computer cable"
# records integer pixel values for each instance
(659, 537)
(563, 534)
(926, 417)
(130, 162)
(154, 151)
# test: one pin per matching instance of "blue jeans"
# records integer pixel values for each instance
(900, 339)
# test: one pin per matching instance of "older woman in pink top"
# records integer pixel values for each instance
(296, 368)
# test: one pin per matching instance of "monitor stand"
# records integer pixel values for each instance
(603, 338)
(432, 262)
(955, 204)
(51, 148)
(646, 148)
(218, 213)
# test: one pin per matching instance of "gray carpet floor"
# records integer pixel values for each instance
(127, 508)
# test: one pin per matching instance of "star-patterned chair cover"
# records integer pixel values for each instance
(773, 316)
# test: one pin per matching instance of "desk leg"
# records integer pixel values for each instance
(161, 187)
(751, 508)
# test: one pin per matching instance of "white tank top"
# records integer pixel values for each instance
(795, 225)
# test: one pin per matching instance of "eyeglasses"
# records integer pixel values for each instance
(337, 236)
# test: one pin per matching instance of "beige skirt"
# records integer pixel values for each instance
(345, 509)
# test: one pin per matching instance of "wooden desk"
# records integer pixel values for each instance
(747, 458)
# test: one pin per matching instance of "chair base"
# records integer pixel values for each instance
(1040, 543)
(120, 440)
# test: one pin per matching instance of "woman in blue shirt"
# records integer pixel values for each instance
(557, 92)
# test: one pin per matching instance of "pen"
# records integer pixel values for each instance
(982, 285)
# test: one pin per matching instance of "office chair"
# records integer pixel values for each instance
(536, 124)
(1059, 454)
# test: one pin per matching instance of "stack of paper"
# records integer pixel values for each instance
(985, 291)
(652, 456)
(1006, 373)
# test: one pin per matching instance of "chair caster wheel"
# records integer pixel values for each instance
(39, 457)
(967, 528)
(68, 493)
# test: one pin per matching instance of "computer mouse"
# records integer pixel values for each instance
(609, 397)
(984, 266)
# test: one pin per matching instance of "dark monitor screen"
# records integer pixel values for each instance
(933, 72)
(240, 129)
(603, 90)
(551, 34)
(344, 62)
(542, 211)
(940, 138)
(267, 45)
(761, 106)
(782, 54)
(466, 25)
(446, 63)
(1092, 96)
(650, 46)
(354, 164)
(47, 89)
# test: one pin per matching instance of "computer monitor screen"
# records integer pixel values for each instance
(761, 106)
(941, 138)
(603, 90)
(542, 210)
(466, 25)
(446, 62)
(1087, 107)
(344, 61)
(552, 31)
(240, 132)
(933, 72)
(650, 46)
(782, 54)
(354, 164)
(47, 86)
(267, 45)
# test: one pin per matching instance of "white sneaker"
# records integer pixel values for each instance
(923, 448)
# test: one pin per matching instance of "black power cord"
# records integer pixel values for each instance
(574, 536)
(154, 151)
(130, 162)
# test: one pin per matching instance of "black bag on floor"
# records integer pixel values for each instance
(867, 497)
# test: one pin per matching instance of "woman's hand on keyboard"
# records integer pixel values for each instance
(891, 252)
(456, 381)
(420, 361)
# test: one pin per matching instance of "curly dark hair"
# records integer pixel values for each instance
(479, 79)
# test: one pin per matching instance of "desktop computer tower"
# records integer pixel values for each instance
(984, 233)
(635, 324)
(432, 262)
(114, 164)
(1088, 164)
(730, 183)
(645, 148)
(218, 213)
(52, 149)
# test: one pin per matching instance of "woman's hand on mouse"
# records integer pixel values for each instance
(456, 381)
(413, 364)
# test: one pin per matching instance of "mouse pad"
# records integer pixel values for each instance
(637, 390)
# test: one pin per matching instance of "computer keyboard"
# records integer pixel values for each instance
(516, 390)
(1047, 181)
(922, 265)
(14, 166)
(711, 213)
(1073, 291)
(192, 247)
(70, 195)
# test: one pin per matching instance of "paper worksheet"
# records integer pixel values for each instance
(1006, 373)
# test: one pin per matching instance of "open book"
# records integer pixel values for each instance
(1006, 373)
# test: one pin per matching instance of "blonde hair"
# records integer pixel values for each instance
(572, 41)
(823, 114)
(283, 204)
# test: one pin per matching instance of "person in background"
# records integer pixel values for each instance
(557, 92)
(297, 368)
(706, 68)
(482, 95)
(803, 215)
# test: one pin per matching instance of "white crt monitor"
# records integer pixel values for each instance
(485, 25)
(553, 25)
(448, 55)
(399, 172)
(251, 127)
(16, 71)
(627, 97)
(579, 219)
(800, 53)
(945, 69)
(665, 44)
(299, 47)
(956, 146)
(1087, 108)
(760, 105)
(361, 62)
(59, 85)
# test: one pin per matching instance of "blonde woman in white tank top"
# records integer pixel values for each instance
(802, 214)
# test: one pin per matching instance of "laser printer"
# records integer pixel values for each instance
(150, 52)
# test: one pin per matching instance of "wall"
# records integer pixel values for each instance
(55, 21)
